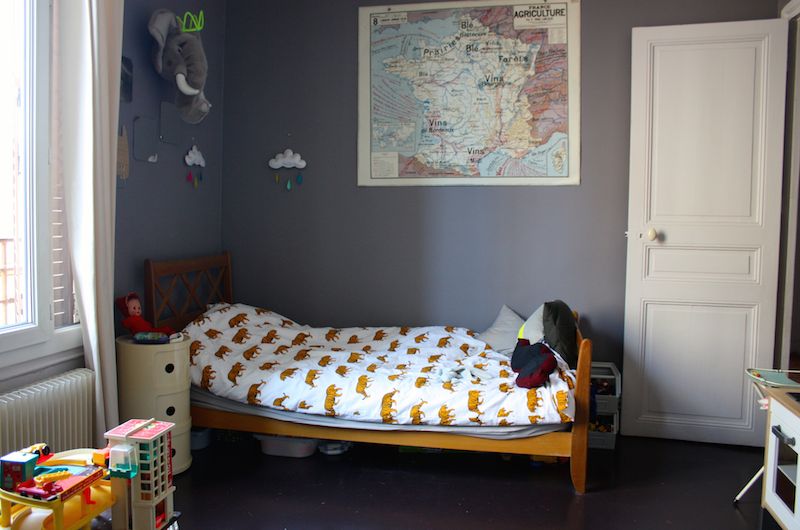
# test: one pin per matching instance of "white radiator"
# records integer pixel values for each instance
(58, 411)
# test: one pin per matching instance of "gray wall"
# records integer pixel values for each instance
(160, 215)
(332, 253)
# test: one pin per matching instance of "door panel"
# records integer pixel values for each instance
(704, 92)
(702, 264)
(681, 395)
(707, 104)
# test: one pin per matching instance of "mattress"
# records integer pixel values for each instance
(208, 400)
(437, 376)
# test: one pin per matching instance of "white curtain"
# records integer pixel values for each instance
(87, 44)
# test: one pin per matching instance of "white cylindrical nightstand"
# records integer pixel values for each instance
(153, 382)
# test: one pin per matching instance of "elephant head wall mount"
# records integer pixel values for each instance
(178, 56)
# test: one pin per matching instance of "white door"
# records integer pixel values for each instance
(707, 112)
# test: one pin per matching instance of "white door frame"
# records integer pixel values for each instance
(792, 183)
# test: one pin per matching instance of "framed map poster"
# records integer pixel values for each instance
(469, 93)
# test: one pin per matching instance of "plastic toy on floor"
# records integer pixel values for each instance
(67, 490)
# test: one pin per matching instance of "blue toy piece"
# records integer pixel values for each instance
(17, 467)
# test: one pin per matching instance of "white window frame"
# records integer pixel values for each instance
(37, 340)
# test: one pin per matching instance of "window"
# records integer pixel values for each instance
(36, 290)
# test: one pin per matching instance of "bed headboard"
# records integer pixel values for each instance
(177, 291)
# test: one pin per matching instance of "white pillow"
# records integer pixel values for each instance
(502, 335)
(533, 328)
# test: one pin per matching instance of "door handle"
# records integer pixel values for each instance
(652, 235)
(782, 436)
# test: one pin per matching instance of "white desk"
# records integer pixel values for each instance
(780, 493)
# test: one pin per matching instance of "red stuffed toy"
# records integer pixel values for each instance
(131, 308)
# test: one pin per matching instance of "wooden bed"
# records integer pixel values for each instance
(178, 291)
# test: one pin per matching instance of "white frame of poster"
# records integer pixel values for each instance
(365, 121)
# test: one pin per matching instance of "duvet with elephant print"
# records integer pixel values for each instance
(437, 375)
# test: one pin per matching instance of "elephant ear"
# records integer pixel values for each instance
(162, 22)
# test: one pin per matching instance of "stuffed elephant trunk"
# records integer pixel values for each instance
(190, 72)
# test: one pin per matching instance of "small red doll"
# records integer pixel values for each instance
(131, 308)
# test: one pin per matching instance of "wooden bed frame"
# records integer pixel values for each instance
(176, 292)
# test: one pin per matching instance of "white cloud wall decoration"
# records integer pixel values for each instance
(287, 159)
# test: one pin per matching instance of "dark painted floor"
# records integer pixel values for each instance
(644, 484)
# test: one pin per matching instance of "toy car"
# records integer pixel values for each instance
(41, 449)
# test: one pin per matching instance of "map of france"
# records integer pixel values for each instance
(478, 92)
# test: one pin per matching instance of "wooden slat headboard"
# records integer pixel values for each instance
(177, 291)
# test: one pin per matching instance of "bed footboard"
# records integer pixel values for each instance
(580, 429)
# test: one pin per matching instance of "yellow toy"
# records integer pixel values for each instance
(67, 490)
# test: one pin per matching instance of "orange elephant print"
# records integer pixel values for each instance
(562, 401)
(235, 372)
(241, 336)
(567, 379)
(278, 402)
(446, 415)
(422, 337)
(474, 401)
(412, 351)
(269, 365)
(286, 323)
(506, 387)
(404, 330)
(362, 385)
(301, 339)
(251, 353)
(355, 357)
(331, 395)
(200, 320)
(387, 410)
(353, 340)
(395, 377)
(238, 321)
(342, 370)
(534, 400)
(417, 416)
(253, 394)
(213, 333)
(420, 382)
(288, 373)
(303, 405)
(325, 361)
(332, 334)
(434, 358)
(222, 352)
(261, 311)
(379, 335)
(281, 349)
(393, 345)
(207, 379)
(372, 368)
(302, 355)
(449, 329)
(312, 376)
(464, 348)
(194, 350)
(270, 337)
(444, 342)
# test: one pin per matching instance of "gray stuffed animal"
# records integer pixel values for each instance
(179, 57)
